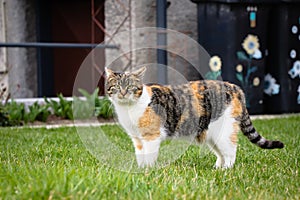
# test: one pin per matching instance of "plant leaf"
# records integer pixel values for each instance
(240, 77)
(253, 69)
(218, 73)
(84, 93)
(209, 75)
(241, 55)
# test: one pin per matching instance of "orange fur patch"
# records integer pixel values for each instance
(183, 118)
(197, 97)
(138, 93)
(138, 144)
(149, 124)
(237, 108)
(234, 135)
(194, 85)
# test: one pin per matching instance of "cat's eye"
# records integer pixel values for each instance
(131, 87)
(113, 90)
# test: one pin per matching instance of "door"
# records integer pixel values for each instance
(65, 21)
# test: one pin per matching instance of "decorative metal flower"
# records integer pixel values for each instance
(256, 81)
(251, 46)
(298, 99)
(271, 87)
(245, 72)
(239, 68)
(257, 54)
(215, 63)
(295, 71)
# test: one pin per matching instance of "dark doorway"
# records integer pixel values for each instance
(66, 21)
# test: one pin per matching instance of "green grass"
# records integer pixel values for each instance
(40, 163)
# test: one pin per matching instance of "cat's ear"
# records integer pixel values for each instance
(140, 72)
(109, 72)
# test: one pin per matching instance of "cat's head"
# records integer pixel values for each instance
(124, 87)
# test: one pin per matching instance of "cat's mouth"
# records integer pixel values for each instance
(123, 97)
(127, 99)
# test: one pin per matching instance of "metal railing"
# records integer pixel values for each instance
(46, 86)
(56, 45)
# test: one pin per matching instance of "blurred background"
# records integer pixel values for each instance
(252, 43)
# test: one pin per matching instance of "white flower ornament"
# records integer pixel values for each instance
(295, 71)
(257, 54)
(271, 87)
(298, 99)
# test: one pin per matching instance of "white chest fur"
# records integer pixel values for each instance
(129, 115)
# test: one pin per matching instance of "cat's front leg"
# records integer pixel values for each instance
(139, 151)
(146, 151)
(151, 152)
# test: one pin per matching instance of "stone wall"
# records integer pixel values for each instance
(117, 20)
(181, 17)
(18, 23)
(3, 51)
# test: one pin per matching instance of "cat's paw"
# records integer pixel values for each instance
(219, 163)
(146, 160)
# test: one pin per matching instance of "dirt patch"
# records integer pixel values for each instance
(55, 120)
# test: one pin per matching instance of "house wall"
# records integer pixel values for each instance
(18, 25)
(181, 17)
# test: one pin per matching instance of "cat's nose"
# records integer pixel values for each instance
(123, 92)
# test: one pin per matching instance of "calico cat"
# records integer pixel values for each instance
(210, 111)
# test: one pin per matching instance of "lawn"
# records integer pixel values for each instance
(40, 163)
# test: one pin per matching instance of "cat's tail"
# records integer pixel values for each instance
(249, 131)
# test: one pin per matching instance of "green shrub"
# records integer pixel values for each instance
(104, 108)
(61, 108)
(15, 112)
(93, 106)
(4, 118)
(38, 112)
(84, 109)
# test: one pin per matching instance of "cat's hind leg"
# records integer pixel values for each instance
(226, 145)
(203, 137)
(225, 151)
(222, 139)
(216, 151)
